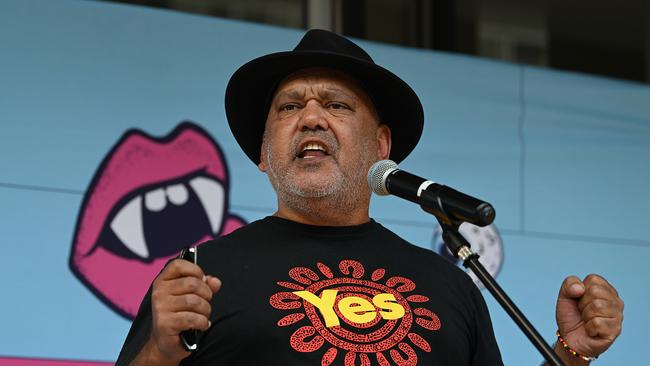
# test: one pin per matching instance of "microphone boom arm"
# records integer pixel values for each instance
(445, 203)
(457, 244)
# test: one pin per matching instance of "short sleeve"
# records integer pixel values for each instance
(138, 334)
(486, 351)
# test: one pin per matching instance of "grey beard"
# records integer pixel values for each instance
(342, 192)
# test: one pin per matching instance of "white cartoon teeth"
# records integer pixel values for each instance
(211, 194)
(127, 226)
(127, 223)
(177, 194)
(155, 200)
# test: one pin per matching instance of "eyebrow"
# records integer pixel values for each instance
(291, 94)
(326, 93)
(333, 93)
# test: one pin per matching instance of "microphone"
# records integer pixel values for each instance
(447, 204)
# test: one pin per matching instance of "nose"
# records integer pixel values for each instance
(313, 117)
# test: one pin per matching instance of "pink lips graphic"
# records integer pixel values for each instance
(149, 198)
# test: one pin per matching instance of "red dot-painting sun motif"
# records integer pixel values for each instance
(362, 333)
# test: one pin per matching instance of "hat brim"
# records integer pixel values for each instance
(249, 90)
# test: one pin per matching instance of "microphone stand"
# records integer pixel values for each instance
(461, 249)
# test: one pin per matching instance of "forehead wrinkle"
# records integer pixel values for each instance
(326, 92)
(360, 95)
(331, 92)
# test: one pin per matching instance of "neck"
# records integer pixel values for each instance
(322, 212)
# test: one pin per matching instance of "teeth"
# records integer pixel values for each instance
(177, 194)
(313, 146)
(127, 226)
(211, 194)
(127, 223)
(155, 200)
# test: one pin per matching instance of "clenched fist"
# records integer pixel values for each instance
(589, 315)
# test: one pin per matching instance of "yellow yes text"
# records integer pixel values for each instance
(356, 309)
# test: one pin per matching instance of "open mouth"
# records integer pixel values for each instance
(312, 150)
(149, 198)
(155, 214)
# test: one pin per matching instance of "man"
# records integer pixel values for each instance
(319, 282)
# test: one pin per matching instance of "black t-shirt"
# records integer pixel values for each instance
(297, 294)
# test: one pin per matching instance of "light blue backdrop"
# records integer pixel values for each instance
(565, 159)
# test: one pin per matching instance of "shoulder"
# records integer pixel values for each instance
(249, 233)
(426, 260)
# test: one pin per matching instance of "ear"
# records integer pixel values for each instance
(262, 165)
(383, 142)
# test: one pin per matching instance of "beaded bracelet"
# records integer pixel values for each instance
(572, 351)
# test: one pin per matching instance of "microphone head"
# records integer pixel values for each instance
(377, 176)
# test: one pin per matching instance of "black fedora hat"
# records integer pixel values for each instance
(250, 89)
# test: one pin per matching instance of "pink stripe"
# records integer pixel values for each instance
(14, 361)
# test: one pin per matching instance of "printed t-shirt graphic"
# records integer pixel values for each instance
(263, 263)
(149, 198)
(355, 313)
